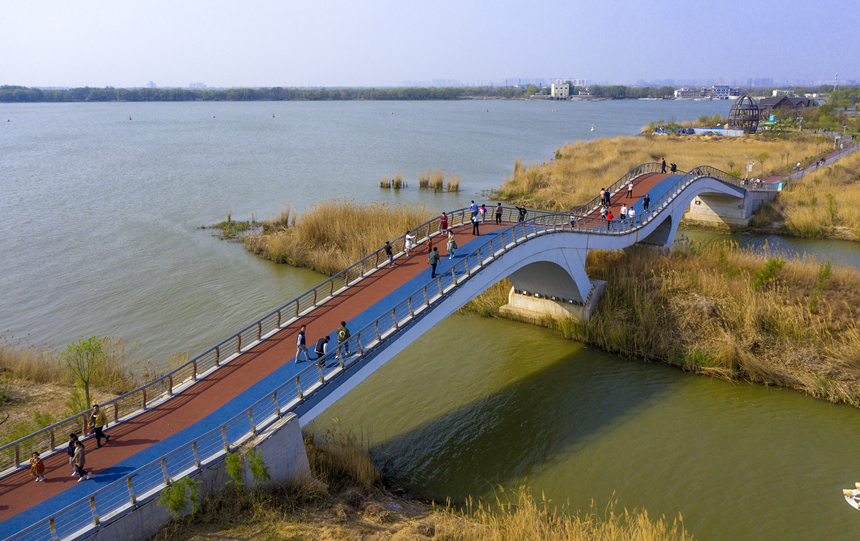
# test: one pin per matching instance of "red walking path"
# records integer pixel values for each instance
(19, 492)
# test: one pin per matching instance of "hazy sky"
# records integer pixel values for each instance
(385, 42)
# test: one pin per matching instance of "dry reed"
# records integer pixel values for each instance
(424, 178)
(331, 235)
(385, 182)
(525, 518)
(823, 200)
(398, 182)
(580, 169)
(437, 179)
(345, 500)
(728, 312)
(453, 184)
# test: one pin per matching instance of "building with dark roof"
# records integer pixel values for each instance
(783, 103)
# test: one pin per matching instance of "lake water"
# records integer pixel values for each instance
(101, 217)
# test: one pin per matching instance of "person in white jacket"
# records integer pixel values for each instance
(409, 242)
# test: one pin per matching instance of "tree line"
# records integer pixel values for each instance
(20, 94)
(845, 96)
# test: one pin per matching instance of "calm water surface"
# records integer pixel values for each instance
(100, 237)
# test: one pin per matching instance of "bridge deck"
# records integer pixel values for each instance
(215, 399)
(235, 386)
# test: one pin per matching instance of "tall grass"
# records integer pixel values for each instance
(385, 182)
(346, 500)
(453, 184)
(580, 169)
(398, 182)
(728, 312)
(331, 235)
(437, 179)
(823, 200)
(424, 178)
(279, 221)
(525, 518)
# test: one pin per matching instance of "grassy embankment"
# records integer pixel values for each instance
(724, 311)
(580, 169)
(347, 499)
(331, 235)
(824, 203)
(37, 390)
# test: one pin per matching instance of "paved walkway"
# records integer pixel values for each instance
(234, 387)
(217, 398)
(828, 159)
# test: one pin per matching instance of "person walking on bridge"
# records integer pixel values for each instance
(443, 223)
(473, 209)
(408, 242)
(630, 214)
(646, 202)
(475, 223)
(301, 345)
(433, 260)
(73, 438)
(322, 347)
(483, 211)
(630, 189)
(607, 198)
(602, 196)
(499, 214)
(663, 166)
(81, 461)
(37, 467)
(609, 218)
(390, 253)
(98, 422)
(452, 245)
(623, 212)
(522, 213)
(342, 340)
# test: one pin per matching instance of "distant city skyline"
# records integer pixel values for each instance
(384, 43)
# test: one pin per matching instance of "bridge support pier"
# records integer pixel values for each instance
(534, 309)
(282, 449)
(724, 209)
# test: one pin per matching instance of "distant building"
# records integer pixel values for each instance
(197, 86)
(777, 92)
(720, 92)
(687, 93)
(783, 103)
(150, 85)
(560, 91)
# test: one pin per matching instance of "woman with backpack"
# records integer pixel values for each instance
(452, 245)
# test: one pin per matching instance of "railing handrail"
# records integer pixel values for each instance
(315, 377)
(73, 419)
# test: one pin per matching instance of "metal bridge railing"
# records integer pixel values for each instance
(45, 441)
(89, 513)
(13, 455)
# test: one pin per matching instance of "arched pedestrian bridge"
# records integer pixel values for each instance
(190, 418)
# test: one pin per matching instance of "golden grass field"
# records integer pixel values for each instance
(331, 235)
(822, 202)
(580, 169)
(727, 312)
